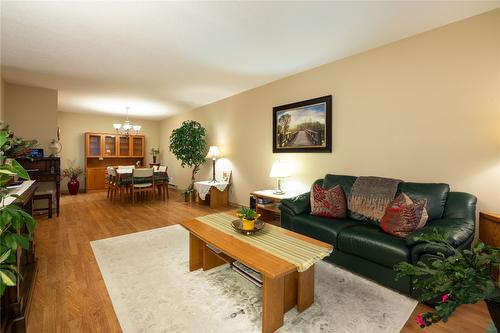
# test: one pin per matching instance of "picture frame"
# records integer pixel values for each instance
(303, 127)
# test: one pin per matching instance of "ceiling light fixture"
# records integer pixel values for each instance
(126, 128)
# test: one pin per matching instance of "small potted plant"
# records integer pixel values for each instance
(248, 217)
(155, 152)
(460, 277)
(73, 174)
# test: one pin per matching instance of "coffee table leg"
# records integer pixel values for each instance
(305, 289)
(195, 252)
(272, 304)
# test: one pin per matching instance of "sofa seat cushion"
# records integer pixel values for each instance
(321, 228)
(370, 242)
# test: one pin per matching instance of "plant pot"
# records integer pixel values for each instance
(73, 186)
(190, 196)
(494, 310)
(248, 224)
(154, 158)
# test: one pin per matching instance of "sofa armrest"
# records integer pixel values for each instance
(429, 250)
(458, 231)
(299, 204)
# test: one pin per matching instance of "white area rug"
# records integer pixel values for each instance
(146, 274)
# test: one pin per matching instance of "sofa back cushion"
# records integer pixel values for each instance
(345, 182)
(435, 194)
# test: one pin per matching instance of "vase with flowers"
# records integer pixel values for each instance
(454, 278)
(73, 173)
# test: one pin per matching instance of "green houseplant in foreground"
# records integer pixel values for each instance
(464, 277)
(188, 145)
(13, 146)
(12, 222)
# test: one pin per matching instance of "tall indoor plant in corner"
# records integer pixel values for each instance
(188, 145)
(12, 221)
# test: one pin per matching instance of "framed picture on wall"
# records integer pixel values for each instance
(303, 127)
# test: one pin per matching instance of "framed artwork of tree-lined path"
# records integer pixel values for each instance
(303, 127)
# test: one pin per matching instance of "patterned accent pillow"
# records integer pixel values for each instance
(403, 216)
(328, 202)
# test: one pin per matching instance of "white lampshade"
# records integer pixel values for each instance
(117, 126)
(279, 170)
(137, 128)
(213, 152)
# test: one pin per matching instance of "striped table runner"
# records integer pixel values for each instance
(273, 240)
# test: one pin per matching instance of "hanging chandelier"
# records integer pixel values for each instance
(127, 128)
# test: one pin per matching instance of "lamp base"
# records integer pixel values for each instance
(278, 192)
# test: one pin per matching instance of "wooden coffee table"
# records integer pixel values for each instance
(283, 286)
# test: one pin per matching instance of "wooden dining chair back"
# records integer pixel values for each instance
(161, 181)
(111, 182)
(143, 182)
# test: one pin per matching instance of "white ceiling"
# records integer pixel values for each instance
(161, 58)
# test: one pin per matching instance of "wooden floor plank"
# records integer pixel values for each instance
(70, 294)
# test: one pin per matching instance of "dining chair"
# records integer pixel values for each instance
(142, 182)
(161, 181)
(111, 182)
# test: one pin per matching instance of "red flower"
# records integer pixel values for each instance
(420, 320)
(444, 298)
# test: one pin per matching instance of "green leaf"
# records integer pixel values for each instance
(4, 256)
(10, 241)
(22, 241)
(19, 170)
(3, 137)
(7, 277)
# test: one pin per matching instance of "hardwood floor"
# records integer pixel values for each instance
(70, 295)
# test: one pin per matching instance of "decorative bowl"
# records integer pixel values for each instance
(258, 225)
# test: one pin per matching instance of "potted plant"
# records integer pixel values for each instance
(13, 146)
(155, 152)
(73, 183)
(13, 222)
(459, 277)
(248, 217)
(187, 143)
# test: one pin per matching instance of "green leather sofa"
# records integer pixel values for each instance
(363, 248)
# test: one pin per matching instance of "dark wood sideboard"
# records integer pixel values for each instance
(44, 169)
(15, 302)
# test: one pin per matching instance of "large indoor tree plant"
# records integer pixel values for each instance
(454, 278)
(188, 144)
(12, 220)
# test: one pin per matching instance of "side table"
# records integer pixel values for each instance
(213, 193)
(267, 205)
(489, 233)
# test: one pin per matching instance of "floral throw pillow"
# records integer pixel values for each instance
(403, 216)
(328, 202)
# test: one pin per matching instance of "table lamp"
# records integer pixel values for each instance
(213, 153)
(279, 170)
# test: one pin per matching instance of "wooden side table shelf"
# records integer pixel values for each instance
(489, 228)
(270, 212)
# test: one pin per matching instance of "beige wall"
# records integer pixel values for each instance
(74, 125)
(426, 108)
(31, 112)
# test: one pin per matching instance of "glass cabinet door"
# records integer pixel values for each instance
(124, 146)
(138, 146)
(109, 145)
(94, 145)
